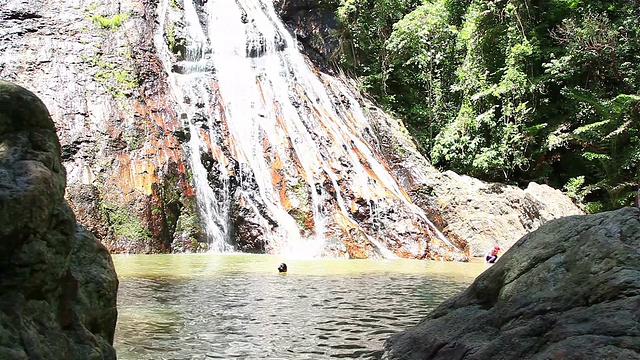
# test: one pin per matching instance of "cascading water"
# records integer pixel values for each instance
(279, 157)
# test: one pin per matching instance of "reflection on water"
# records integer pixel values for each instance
(239, 306)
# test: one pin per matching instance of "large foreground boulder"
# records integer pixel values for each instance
(57, 285)
(569, 290)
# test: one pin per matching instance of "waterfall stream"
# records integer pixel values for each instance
(278, 151)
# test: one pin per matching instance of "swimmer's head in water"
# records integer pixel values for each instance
(282, 267)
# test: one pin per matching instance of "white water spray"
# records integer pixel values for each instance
(250, 100)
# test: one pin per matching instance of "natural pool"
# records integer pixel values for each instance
(208, 306)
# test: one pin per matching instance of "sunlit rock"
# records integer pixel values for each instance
(467, 210)
(95, 66)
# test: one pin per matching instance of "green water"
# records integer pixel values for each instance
(238, 306)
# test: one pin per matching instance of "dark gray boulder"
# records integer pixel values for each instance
(569, 290)
(58, 285)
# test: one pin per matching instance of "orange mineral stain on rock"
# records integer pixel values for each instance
(279, 181)
(344, 222)
(137, 175)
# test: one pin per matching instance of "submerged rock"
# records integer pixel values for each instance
(58, 285)
(569, 290)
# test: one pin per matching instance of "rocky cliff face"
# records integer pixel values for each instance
(94, 65)
(58, 285)
(176, 138)
(569, 290)
(315, 27)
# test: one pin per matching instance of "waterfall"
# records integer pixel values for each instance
(278, 152)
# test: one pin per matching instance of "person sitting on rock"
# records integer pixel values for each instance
(492, 255)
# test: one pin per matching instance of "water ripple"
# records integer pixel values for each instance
(258, 316)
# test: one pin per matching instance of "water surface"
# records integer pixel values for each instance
(238, 306)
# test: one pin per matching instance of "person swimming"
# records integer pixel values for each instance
(282, 268)
(492, 256)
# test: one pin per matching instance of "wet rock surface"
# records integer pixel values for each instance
(105, 71)
(569, 290)
(314, 24)
(58, 285)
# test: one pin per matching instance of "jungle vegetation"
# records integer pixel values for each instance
(510, 90)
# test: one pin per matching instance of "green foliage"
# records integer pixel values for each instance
(134, 139)
(117, 80)
(124, 224)
(171, 36)
(421, 69)
(300, 212)
(111, 23)
(510, 90)
(121, 76)
(488, 136)
(176, 45)
(610, 146)
(189, 223)
(367, 25)
(181, 216)
(188, 230)
(574, 188)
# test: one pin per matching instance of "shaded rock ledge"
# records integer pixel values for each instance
(58, 285)
(569, 290)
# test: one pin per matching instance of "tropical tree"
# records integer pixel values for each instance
(510, 90)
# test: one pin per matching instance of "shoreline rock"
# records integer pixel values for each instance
(569, 290)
